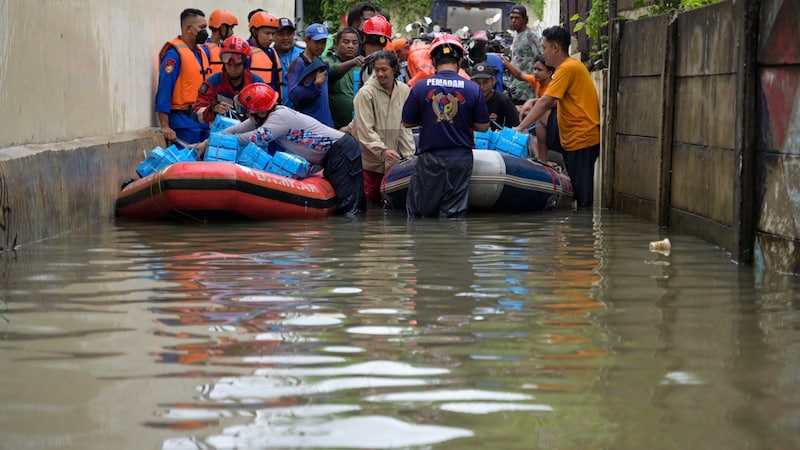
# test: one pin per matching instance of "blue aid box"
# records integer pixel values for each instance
(222, 147)
(512, 142)
(160, 158)
(221, 122)
(288, 165)
(253, 156)
(483, 139)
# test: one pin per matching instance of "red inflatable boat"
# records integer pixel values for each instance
(206, 191)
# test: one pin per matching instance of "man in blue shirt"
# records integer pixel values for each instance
(287, 52)
(448, 107)
(308, 77)
(184, 65)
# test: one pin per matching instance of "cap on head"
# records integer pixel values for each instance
(482, 70)
(284, 23)
(519, 10)
(317, 32)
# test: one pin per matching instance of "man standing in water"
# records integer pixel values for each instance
(449, 107)
(578, 113)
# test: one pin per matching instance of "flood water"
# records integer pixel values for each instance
(538, 331)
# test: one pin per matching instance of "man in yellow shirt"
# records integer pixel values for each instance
(578, 112)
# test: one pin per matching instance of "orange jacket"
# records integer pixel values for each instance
(268, 67)
(191, 76)
(213, 50)
(420, 65)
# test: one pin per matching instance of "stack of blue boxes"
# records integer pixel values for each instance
(289, 165)
(160, 158)
(506, 140)
(253, 156)
(222, 147)
(225, 147)
(513, 142)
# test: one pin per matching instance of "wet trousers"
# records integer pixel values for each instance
(580, 167)
(440, 184)
(342, 168)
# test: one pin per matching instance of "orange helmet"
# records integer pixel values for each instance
(258, 97)
(263, 19)
(221, 17)
(377, 25)
(235, 44)
(446, 45)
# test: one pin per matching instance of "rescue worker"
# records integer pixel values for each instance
(217, 93)
(448, 107)
(265, 61)
(338, 153)
(401, 48)
(221, 23)
(376, 32)
(183, 66)
(420, 65)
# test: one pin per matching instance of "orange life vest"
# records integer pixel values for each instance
(192, 74)
(268, 67)
(216, 62)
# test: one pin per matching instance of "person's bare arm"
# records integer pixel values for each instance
(543, 104)
(514, 71)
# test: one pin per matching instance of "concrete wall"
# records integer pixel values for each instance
(704, 135)
(76, 68)
(680, 144)
(778, 157)
(77, 83)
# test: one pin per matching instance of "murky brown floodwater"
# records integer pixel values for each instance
(498, 332)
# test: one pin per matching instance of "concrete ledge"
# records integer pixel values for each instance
(639, 207)
(708, 230)
(50, 189)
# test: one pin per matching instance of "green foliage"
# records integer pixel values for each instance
(400, 13)
(596, 21)
(595, 25)
(537, 6)
(655, 7)
(312, 12)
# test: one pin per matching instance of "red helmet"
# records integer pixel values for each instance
(220, 17)
(263, 19)
(446, 45)
(377, 25)
(258, 97)
(235, 44)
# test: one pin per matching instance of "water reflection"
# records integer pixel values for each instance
(537, 331)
